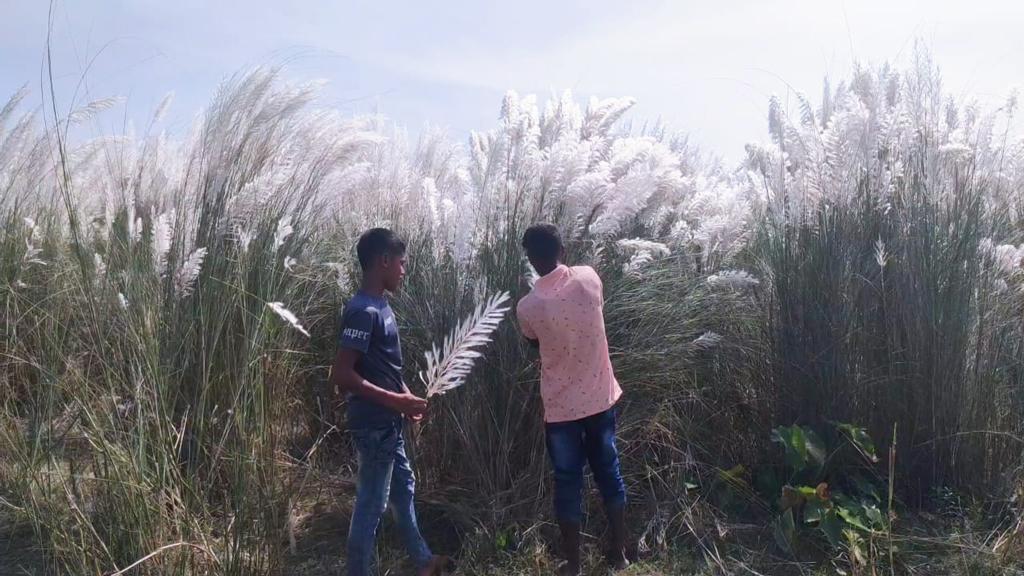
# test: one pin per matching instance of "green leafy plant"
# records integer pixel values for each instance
(830, 488)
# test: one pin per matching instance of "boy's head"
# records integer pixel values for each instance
(382, 255)
(543, 245)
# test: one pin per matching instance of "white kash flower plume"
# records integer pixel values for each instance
(531, 276)
(185, 277)
(429, 187)
(644, 252)
(956, 151)
(100, 266)
(707, 340)
(448, 367)
(122, 301)
(284, 230)
(1007, 257)
(91, 109)
(640, 245)
(289, 263)
(735, 279)
(135, 228)
(244, 236)
(32, 254)
(162, 240)
(341, 278)
(162, 108)
(881, 256)
(286, 315)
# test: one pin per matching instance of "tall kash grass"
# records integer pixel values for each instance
(170, 306)
(892, 236)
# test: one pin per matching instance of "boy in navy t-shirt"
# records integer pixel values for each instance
(368, 367)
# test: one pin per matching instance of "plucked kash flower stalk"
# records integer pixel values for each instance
(448, 367)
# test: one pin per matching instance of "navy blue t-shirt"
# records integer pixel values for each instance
(368, 325)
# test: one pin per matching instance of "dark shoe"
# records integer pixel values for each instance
(617, 541)
(570, 548)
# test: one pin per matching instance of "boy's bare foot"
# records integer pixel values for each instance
(439, 565)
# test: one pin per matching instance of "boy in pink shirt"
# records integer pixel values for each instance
(563, 316)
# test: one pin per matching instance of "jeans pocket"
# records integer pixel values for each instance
(376, 445)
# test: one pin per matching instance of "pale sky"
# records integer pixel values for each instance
(705, 69)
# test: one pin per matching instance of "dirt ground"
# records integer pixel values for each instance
(18, 555)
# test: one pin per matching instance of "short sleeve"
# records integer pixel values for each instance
(356, 329)
(524, 324)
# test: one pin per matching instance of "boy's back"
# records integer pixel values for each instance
(565, 313)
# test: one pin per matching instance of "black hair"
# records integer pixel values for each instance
(375, 243)
(542, 242)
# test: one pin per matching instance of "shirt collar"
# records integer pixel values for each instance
(378, 300)
(546, 280)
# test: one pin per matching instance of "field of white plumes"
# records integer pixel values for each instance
(170, 309)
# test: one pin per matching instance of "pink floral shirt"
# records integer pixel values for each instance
(564, 311)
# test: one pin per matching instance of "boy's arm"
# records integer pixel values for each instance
(357, 328)
(416, 417)
(345, 377)
(526, 330)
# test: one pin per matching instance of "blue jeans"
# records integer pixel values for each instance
(573, 443)
(384, 475)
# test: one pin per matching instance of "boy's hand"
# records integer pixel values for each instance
(410, 405)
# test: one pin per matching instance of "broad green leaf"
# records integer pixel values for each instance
(734, 475)
(802, 446)
(832, 526)
(814, 511)
(865, 487)
(815, 448)
(874, 515)
(860, 439)
(853, 514)
(794, 443)
(784, 530)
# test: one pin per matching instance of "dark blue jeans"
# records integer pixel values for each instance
(571, 445)
(384, 475)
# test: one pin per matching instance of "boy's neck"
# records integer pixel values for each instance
(373, 286)
(548, 269)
